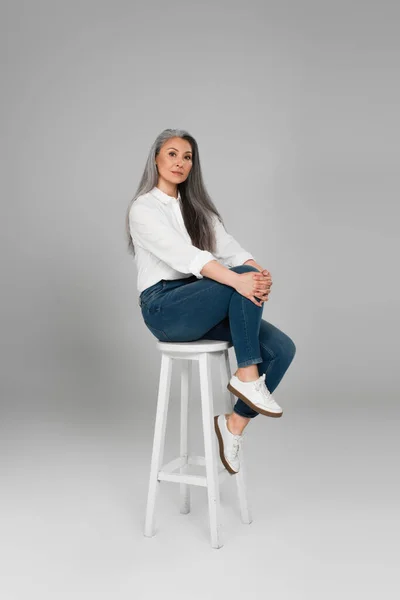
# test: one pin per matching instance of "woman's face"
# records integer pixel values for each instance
(174, 161)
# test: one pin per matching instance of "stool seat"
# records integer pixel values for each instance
(197, 346)
(187, 353)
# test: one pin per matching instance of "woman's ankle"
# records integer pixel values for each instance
(236, 423)
(249, 373)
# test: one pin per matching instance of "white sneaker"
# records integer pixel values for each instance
(229, 444)
(256, 395)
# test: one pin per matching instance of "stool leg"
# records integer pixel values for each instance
(245, 511)
(158, 442)
(186, 377)
(211, 456)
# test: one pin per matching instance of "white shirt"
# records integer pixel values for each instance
(163, 247)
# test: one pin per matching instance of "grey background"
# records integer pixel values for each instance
(294, 106)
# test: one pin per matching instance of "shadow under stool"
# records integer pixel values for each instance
(215, 472)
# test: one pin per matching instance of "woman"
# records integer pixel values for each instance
(197, 282)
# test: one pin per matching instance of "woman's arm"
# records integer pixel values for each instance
(251, 285)
(151, 232)
(214, 270)
(232, 253)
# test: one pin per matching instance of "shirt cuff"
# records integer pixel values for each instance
(240, 258)
(202, 258)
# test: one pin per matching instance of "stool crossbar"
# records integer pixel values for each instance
(215, 472)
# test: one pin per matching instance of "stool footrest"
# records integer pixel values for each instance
(166, 472)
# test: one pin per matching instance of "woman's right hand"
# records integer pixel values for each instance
(249, 286)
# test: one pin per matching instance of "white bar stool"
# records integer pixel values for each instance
(200, 351)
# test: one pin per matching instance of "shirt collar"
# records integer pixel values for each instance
(165, 199)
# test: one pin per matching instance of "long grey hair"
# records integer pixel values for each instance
(196, 205)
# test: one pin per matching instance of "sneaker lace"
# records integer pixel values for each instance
(236, 444)
(261, 387)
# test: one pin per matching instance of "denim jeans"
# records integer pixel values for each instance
(190, 309)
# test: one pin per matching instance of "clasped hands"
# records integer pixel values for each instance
(262, 282)
(262, 285)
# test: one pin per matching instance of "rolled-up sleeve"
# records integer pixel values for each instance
(151, 232)
(228, 249)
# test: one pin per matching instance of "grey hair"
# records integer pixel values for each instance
(196, 205)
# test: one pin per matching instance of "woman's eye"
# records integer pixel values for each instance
(172, 152)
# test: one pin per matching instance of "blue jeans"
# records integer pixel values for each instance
(190, 309)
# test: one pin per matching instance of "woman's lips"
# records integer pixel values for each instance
(177, 173)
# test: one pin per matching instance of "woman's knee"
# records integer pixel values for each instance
(276, 343)
(288, 348)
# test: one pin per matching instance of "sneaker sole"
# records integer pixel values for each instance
(253, 406)
(221, 448)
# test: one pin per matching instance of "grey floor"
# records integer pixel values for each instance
(322, 482)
